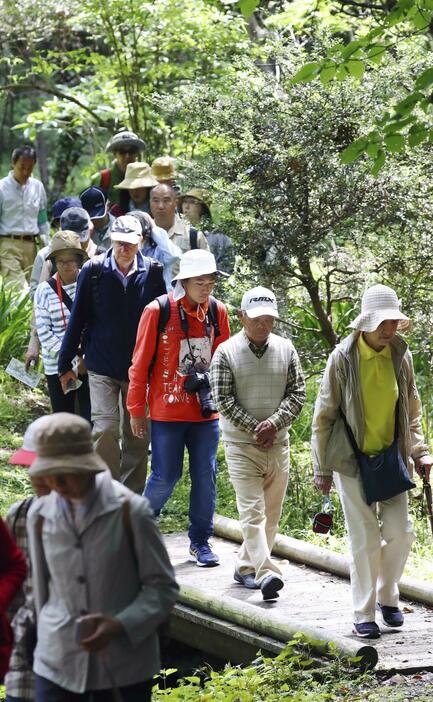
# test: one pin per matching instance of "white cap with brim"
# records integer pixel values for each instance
(259, 301)
(379, 303)
(127, 229)
(193, 264)
(26, 455)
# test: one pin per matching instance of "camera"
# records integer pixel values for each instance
(197, 381)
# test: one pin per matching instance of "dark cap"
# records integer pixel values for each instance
(63, 204)
(77, 220)
(94, 202)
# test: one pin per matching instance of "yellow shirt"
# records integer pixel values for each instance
(379, 391)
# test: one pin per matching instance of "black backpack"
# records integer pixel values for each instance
(96, 268)
(164, 316)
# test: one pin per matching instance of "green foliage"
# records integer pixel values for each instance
(407, 122)
(294, 675)
(15, 315)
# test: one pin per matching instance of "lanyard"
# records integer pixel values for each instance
(184, 325)
(59, 293)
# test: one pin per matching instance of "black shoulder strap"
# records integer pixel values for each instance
(65, 297)
(193, 235)
(213, 315)
(23, 507)
(96, 266)
(164, 316)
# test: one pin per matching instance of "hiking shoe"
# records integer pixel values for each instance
(367, 630)
(270, 586)
(203, 555)
(392, 616)
(248, 580)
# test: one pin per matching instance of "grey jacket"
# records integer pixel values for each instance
(101, 571)
(340, 387)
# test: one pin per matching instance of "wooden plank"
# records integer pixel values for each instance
(312, 598)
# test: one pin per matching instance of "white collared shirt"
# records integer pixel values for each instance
(21, 206)
(122, 277)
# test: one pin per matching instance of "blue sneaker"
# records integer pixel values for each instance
(367, 630)
(392, 616)
(203, 555)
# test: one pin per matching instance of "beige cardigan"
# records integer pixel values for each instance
(340, 387)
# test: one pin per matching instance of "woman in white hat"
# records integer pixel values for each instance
(169, 367)
(102, 578)
(368, 403)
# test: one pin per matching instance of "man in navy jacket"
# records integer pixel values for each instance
(112, 291)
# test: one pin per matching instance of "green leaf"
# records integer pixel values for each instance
(396, 125)
(417, 134)
(425, 79)
(247, 7)
(327, 73)
(354, 150)
(306, 73)
(373, 149)
(353, 49)
(378, 163)
(407, 105)
(394, 142)
(376, 53)
(356, 68)
(421, 20)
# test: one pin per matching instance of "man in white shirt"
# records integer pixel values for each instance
(23, 218)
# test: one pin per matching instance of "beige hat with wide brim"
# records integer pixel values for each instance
(163, 168)
(137, 175)
(63, 444)
(379, 303)
(66, 241)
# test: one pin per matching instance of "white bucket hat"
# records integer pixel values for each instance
(378, 304)
(193, 264)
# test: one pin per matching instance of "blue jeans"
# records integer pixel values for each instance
(168, 445)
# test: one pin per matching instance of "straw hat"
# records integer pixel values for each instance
(199, 194)
(66, 240)
(378, 304)
(137, 175)
(163, 168)
(63, 444)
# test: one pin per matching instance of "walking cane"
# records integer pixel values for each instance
(428, 496)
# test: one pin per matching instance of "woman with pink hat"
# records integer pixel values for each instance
(367, 438)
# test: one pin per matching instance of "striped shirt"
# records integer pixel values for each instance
(49, 322)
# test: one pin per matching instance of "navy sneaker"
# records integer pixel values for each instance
(248, 580)
(367, 630)
(203, 555)
(270, 586)
(392, 616)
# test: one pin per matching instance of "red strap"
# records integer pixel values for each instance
(105, 179)
(59, 293)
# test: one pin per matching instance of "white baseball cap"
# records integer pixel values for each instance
(259, 301)
(126, 228)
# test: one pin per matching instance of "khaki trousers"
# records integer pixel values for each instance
(16, 261)
(380, 537)
(110, 419)
(259, 477)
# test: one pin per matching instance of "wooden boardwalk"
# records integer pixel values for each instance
(312, 598)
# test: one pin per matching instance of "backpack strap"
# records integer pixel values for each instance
(164, 316)
(213, 315)
(193, 236)
(52, 282)
(104, 183)
(23, 508)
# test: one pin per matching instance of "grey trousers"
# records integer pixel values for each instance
(110, 417)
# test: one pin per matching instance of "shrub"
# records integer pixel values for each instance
(15, 315)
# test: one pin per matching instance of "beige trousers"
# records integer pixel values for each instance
(16, 261)
(110, 419)
(259, 477)
(380, 537)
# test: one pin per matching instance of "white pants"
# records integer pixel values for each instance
(380, 537)
(259, 477)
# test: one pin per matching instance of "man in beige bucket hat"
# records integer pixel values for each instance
(102, 577)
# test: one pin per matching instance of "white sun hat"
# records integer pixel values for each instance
(192, 264)
(126, 228)
(378, 304)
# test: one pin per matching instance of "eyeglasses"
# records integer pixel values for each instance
(127, 152)
(65, 262)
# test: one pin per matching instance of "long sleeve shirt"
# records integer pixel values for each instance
(165, 251)
(23, 208)
(50, 326)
